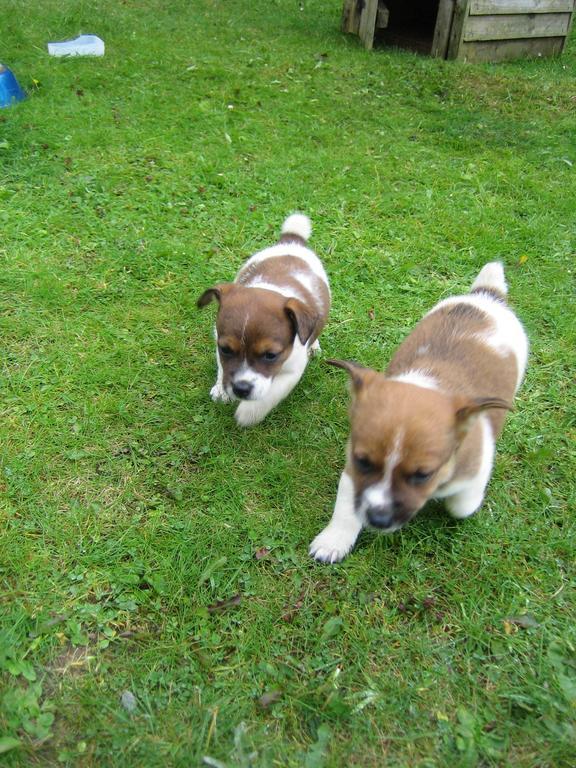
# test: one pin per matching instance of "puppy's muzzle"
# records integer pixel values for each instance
(380, 518)
(385, 517)
(242, 389)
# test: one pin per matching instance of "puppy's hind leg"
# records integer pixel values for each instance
(469, 499)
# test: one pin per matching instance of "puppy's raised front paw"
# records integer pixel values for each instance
(332, 544)
(219, 394)
(249, 413)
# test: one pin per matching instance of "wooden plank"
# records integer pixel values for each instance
(457, 30)
(496, 7)
(442, 29)
(351, 16)
(513, 27)
(569, 26)
(507, 50)
(368, 23)
(503, 7)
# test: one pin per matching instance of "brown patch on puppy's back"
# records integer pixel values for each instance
(448, 345)
(494, 293)
(282, 273)
(290, 238)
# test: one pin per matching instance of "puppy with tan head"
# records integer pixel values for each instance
(427, 427)
(268, 323)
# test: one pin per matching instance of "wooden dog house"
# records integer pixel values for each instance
(473, 30)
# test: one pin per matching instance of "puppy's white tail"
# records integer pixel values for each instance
(491, 278)
(297, 224)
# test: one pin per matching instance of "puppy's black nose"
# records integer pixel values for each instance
(380, 518)
(242, 389)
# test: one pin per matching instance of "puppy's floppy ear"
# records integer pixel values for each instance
(303, 321)
(467, 410)
(357, 372)
(217, 292)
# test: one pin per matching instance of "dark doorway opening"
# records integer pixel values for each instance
(411, 25)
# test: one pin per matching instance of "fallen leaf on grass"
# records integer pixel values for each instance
(268, 698)
(291, 612)
(76, 454)
(509, 628)
(211, 568)
(222, 605)
(129, 701)
(525, 621)
(138, 633)
(172, 492)
(262, 552)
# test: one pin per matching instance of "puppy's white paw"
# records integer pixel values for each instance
(249, 413)
(315, 349)
(219, 394)
(463, 505)
(332, 544)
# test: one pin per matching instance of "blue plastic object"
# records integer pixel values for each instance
(10, 91)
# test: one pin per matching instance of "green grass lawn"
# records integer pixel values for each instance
(147, 544)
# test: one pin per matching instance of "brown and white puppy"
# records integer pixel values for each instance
(427, 427)
(268, 322)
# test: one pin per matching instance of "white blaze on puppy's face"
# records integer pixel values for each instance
(379, 496)
(257, 385)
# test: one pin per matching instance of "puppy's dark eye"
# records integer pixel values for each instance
(419, 477)
(364, 465)
(226, 351)
(269, 357)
